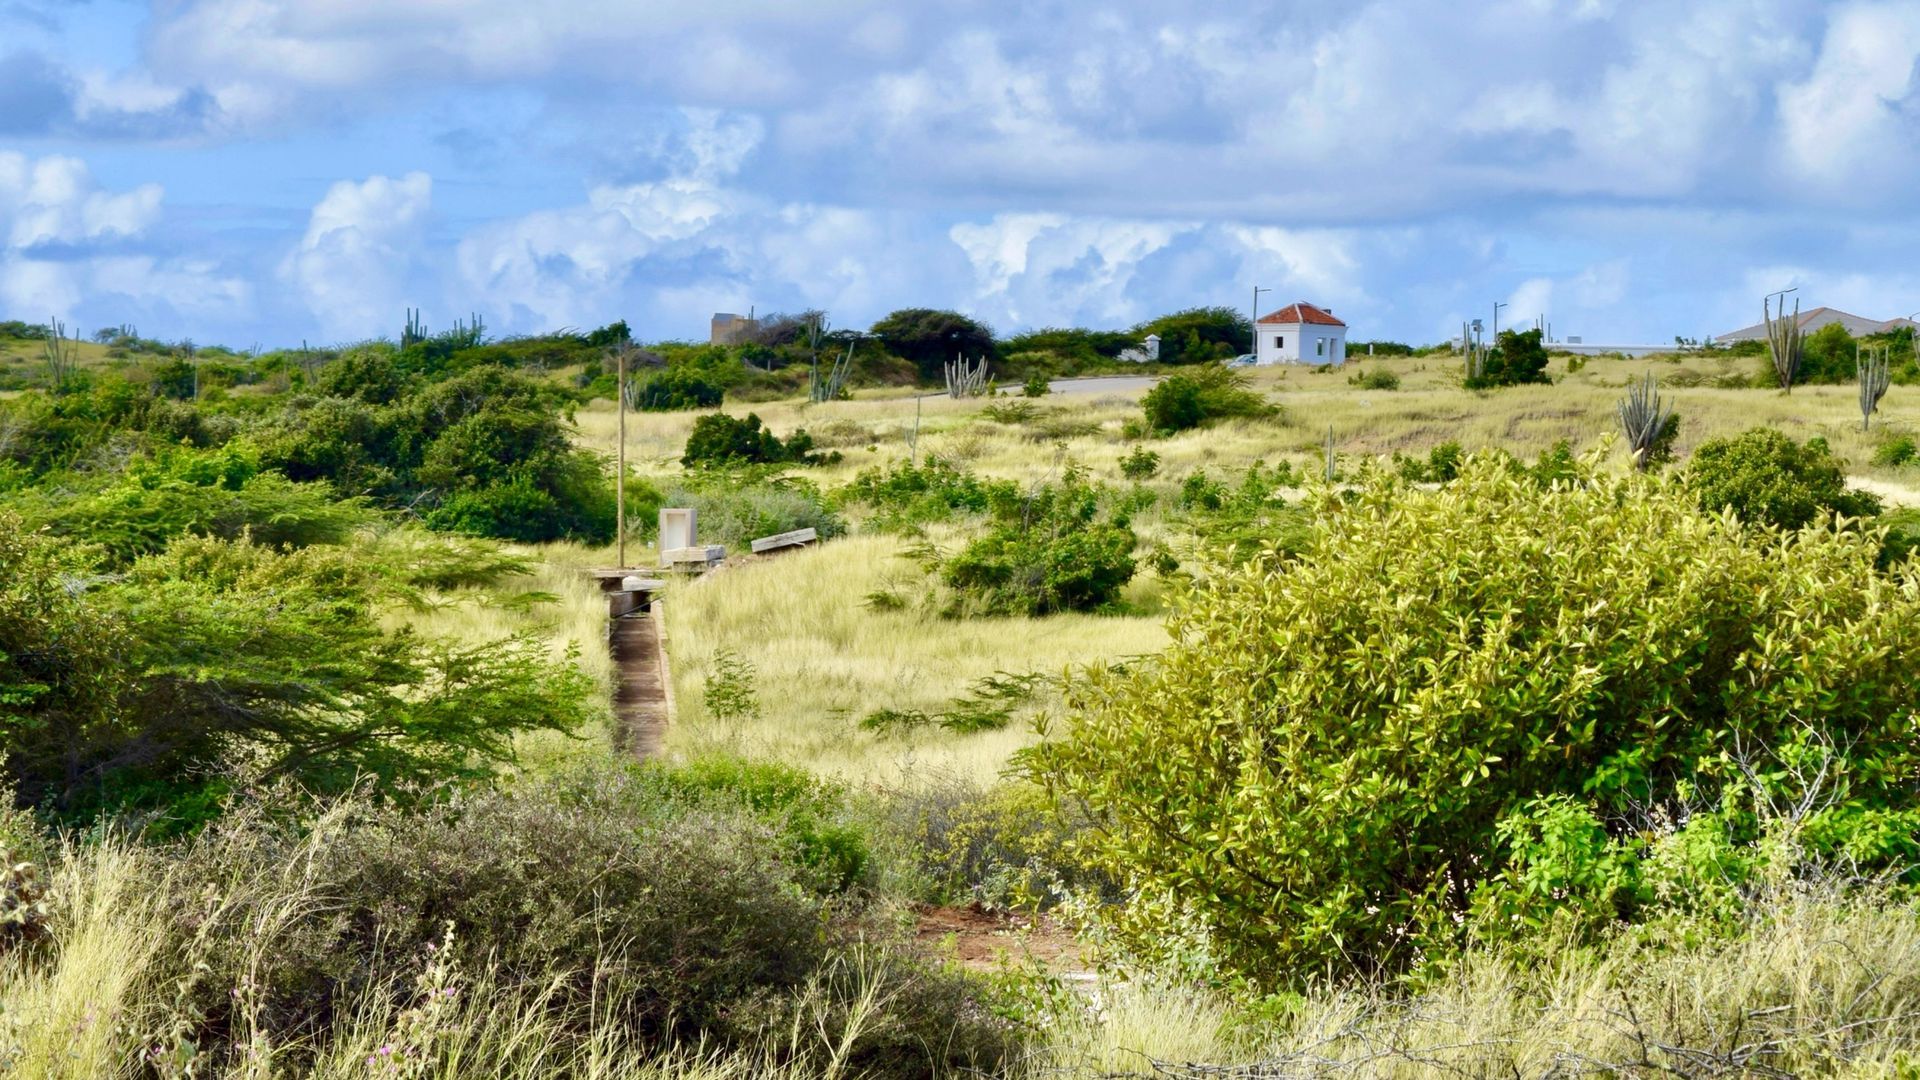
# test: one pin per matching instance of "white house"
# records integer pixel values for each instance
(1300, 334)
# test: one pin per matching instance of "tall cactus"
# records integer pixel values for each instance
(1476, 353)
(416, 330)
(1872, 369)
(1644, 418)
(62, 356)
(966, 379)
(1783, 340)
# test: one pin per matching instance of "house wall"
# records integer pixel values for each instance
(1301, 344)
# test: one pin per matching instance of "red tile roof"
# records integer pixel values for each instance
(1301, 313)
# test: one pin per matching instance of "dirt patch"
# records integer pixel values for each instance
(983, 940)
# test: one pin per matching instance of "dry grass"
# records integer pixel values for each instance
(1429, 409)
(1817, 986)
(824, 659)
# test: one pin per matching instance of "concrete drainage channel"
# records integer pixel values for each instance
(642, 690)
(643, 687)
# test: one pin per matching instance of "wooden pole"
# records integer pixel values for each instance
(620, 477)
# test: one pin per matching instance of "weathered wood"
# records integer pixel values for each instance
(641, 698)
(795, 538)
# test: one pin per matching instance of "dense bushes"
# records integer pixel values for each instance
(719, 440)
(1765, 477)
(651, 906)
(1199, 335)
(678, 387)
(734, 509)
(907, 496)
(1318, 771)
(1047, 551)
(140, 692)
(1192, 398)
(1517, 358)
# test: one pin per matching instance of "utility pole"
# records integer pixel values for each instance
(1496, 319)
(1257, 290)
(620, 477)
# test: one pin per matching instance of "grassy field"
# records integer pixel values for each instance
(824, 658)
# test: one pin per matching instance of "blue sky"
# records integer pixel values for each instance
(271, 171)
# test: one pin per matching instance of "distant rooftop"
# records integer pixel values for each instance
(1815, 318)
(1299, 313)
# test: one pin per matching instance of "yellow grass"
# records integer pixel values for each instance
(824, 659)
(1429, 409)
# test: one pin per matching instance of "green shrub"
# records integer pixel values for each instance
(675, 387)
(1766, 478)
(638, 904)
(1037, 385)
(815, 820)
(1442, 464)
(1048, 552)
(1317, 770)
(1208, 392)
(216, 493)
(1140, 464)
(1517, 358)
(720, 441)
(906, 496)
(1375, 379)
(1006, 845)
(1895, 452)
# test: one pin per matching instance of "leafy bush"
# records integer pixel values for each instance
(1006, 845)
(1766, 478)
(1895, 452)
(1047, 552)
(1517, 358)
(720, 441)
(1375, 379)
(1140, 464)
(675, 387)
(1199, 335)
(907, 496)
(659, 907)
(1442, 464)
(1317, 770)
(930, 339)
(216, 493)
(213, 650)
(1037, 385)
(1192, 398)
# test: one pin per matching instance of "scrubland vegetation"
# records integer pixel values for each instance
(1355, 723)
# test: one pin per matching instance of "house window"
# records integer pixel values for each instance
(1279, 341)
(1320, 347)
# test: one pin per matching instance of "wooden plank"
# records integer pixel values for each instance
(796, 538)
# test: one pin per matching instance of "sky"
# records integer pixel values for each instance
(268, 172)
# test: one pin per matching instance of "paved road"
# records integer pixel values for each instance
(1103, 384)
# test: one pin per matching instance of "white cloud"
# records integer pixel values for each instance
(1044, 268)
(362, 239)
(1855, 119)
(53, 200)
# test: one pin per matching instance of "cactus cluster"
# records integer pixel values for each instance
(1643, 419)
(966, 379)
(62, 355)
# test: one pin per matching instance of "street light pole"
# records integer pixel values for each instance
(620, 477)
(1255, 324)
(1496, 319)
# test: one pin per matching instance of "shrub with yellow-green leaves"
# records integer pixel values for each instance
(1316, 773)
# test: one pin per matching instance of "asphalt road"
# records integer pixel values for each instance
(1102, 384)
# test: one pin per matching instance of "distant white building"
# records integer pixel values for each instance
(1148, 352)
(1300, 334)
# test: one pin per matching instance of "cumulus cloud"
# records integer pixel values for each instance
(1854, 121)
(65, 247)
(361, 243)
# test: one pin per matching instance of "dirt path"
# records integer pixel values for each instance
(981, 940)
(640, 692)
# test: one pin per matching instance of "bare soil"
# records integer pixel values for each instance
(983, 940)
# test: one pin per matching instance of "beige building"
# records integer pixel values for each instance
(731, 329)
(1813, 320)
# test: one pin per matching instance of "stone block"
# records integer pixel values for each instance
(796, 538)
